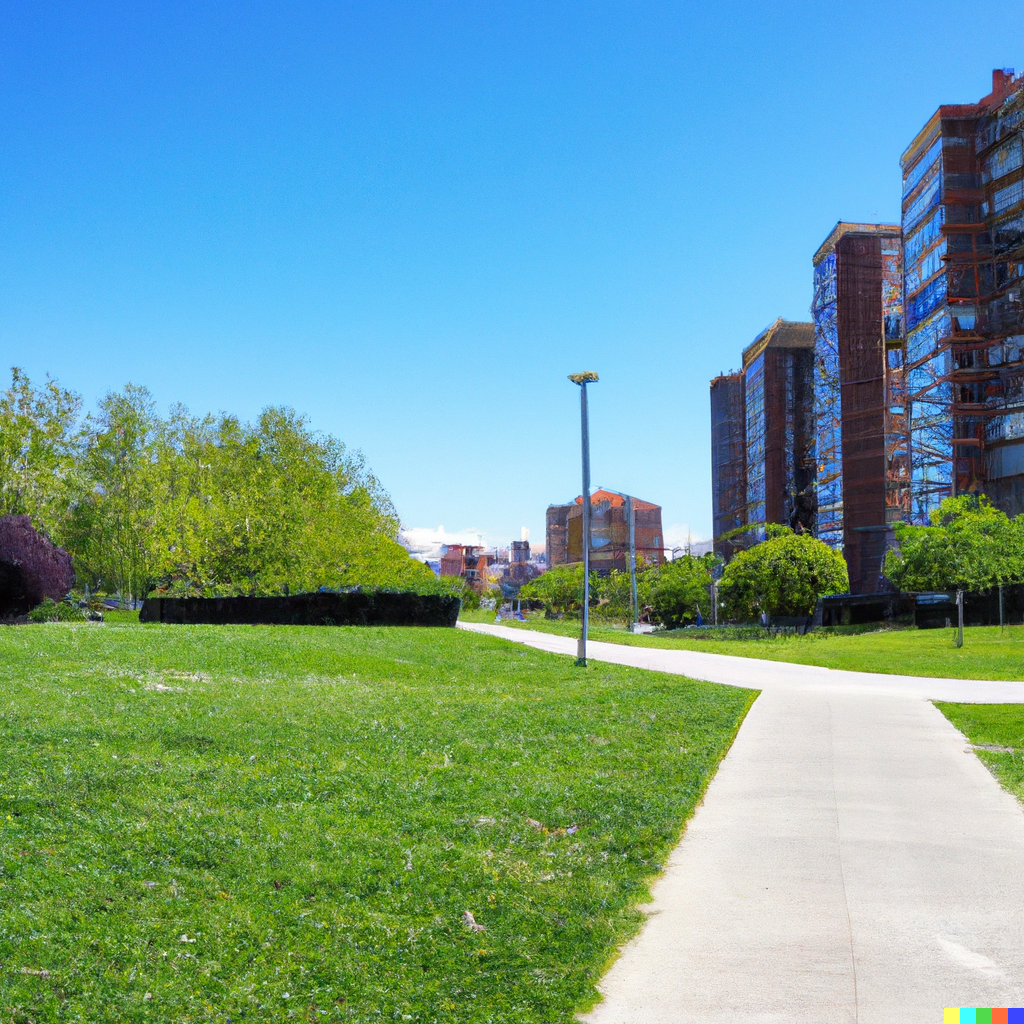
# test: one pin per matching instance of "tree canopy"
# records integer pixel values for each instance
(969, 545)
(196, 504)
(679, 588)
(783, 575)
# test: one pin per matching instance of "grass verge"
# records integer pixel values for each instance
(256, 823)
(986, 654)
(996, 731)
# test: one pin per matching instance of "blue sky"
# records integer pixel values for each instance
(411, 221)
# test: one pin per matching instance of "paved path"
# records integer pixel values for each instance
(852, 860)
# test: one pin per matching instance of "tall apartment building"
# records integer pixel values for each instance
(859, 395)
(778, 387)
(963, 224)
(999, 146)
(728, 459)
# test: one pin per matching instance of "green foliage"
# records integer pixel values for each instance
(674, 590)
(197, 505)
(969, 545)
(560, 588)
(299, 819)
(614, 591)
(784, 575)
(56, 611)
(678, 588)
(38, 451)
(110, 530)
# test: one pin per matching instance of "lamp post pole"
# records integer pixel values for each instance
(634, 607)
(583, 379)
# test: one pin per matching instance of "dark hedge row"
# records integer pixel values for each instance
(372, 608)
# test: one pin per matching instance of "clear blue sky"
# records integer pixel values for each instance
(411, 221)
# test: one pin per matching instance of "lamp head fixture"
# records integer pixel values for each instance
(584, 378)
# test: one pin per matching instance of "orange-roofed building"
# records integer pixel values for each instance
(609, 548)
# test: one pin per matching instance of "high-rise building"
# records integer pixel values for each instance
(1000, 151)
(962, 229)
(859, 406)
(778, 385)
(728, 460)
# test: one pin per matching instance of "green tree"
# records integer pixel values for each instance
(560, 588)
(39, 452)
(109, 530)
(679, 588)
(614, 591)
(260, 508)
(197, 505)
(783, 575)
(969, 545)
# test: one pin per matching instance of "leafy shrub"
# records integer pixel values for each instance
(614, 591)
(784, 575)
(54, 611)
(560, 588)
(678, 589)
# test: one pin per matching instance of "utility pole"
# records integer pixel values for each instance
(959, 618)
(583, 379)
(633, 605)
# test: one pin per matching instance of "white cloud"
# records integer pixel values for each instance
(678, 535)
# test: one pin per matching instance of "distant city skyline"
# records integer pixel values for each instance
(410, 224)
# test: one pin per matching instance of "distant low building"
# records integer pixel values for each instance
(519, 568)
(464, 560)
(609, 532)
(557, 538)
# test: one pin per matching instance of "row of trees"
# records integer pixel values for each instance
(196, 504)
(784, 575)
(674, 591)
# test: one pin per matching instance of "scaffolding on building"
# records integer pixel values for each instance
(896, 423)
(756, 435)
(962, 225)
(827, 405)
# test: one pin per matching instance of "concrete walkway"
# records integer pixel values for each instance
(852, 860)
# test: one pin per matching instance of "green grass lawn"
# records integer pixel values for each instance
(997, 733)
(203, 823)
(986, 654)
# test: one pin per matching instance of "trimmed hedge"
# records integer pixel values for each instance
(373, 608)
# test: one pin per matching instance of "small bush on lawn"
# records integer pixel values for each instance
(56, 611)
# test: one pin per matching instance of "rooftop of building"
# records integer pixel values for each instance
(727, 378)
(846, 227)
(1004, 82)
(781, 334)
(615, 499)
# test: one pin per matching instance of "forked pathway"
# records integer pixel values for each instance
(852, 860)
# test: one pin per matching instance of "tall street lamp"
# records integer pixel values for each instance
(583, 379)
